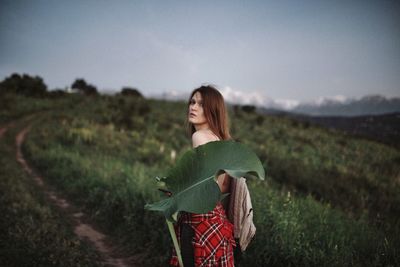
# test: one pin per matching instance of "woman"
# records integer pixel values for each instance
(207, 239)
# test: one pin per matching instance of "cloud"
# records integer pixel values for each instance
(257, 99)
(340, 99)
(243, 98)
(286, 104)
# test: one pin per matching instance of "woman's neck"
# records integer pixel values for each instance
(203, 126)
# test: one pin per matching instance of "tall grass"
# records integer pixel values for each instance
(112, 189)
(354, 174)
(331, 200)
(14, 106)
(295, 231)
(32, 233)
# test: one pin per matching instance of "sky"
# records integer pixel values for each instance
(281, 50)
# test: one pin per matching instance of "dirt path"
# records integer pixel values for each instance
(82, 228)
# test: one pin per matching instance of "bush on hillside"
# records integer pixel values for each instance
(84, 87)
(128, 91)
(23, 85)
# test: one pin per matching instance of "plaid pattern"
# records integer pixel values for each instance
(213, 238)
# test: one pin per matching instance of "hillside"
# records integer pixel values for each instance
(330, 198)
(382, 128)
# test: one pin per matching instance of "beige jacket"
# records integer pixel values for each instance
(240, 212)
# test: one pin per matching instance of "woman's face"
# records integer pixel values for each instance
(196, 113)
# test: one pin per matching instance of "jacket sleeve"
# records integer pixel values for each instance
(241, 212)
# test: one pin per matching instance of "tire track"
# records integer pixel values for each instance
(83, 230)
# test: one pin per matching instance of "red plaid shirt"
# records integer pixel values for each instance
(213, 240)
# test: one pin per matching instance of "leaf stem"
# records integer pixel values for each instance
(175, 241)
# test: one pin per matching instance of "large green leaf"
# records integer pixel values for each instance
(192, 181)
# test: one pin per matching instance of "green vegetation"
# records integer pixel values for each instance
(329, 199)
(353, 174)
(32, 233)
(13, 106)
(23, 85)
(82, 86)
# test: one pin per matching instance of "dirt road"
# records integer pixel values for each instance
(83, 228)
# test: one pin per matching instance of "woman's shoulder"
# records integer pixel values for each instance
(202, 137)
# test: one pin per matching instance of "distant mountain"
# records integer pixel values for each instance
(368, 105)
(324, 106)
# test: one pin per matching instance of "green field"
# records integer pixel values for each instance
(329, 199)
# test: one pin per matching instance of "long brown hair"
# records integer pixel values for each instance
(214, 111)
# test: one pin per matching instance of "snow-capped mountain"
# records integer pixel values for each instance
(367, 105)
(323, 106)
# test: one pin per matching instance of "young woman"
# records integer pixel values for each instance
(207, 239)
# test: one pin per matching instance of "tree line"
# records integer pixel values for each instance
(30, 86)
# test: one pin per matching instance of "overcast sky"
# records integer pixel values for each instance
(298, 50)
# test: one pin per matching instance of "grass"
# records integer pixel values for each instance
(330, 199)
(294, 231)
(32, 233)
